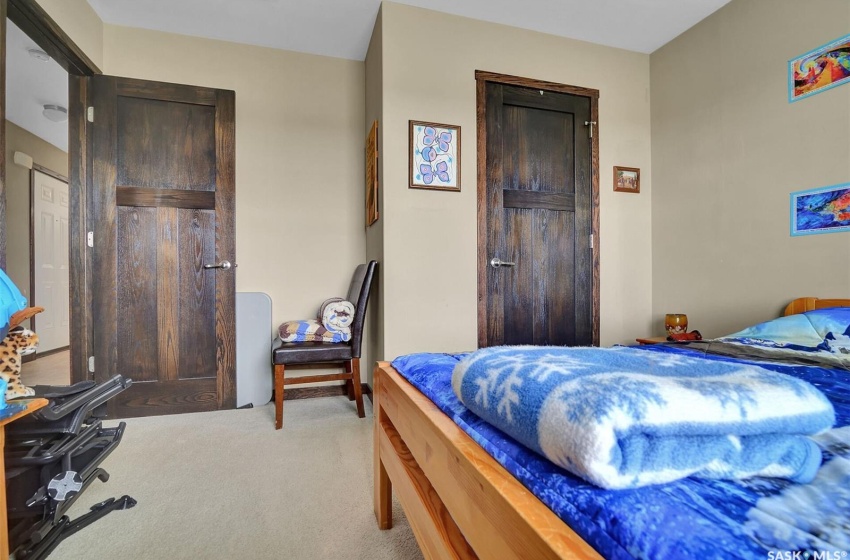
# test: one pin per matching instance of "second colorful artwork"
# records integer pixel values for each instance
(822, 210)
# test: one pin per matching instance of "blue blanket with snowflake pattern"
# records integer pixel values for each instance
(699, 518)
(623, 418)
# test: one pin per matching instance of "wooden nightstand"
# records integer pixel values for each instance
(653, 340)
(32, 406)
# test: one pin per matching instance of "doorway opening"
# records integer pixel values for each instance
(37, 199)
(41, 33)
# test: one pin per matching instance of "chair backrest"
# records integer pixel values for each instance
(358, 294)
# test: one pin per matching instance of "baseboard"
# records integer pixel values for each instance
(316, 392)
(34, 356)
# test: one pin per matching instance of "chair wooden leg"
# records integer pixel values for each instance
(349, 385)
(358, 392)
(278, 396)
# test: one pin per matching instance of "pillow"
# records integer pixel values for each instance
(813, 331)
(793, 330)
(834, 325)
(11, 299)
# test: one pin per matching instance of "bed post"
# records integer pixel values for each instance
(383, 487)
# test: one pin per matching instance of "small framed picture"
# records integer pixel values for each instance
(372, 175)
(626, 179)
(434, 156)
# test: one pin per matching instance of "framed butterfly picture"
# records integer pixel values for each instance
(434, 156)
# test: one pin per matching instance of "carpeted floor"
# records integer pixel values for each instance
(227, 485)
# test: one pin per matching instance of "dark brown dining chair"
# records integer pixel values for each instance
(294, 354)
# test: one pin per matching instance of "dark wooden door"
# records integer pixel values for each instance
(538, 208)
(161, 207)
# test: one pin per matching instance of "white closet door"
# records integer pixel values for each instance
(50, 213)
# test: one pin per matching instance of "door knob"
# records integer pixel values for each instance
(223, 264)
(497, 263)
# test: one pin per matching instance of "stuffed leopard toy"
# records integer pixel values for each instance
(19, 342)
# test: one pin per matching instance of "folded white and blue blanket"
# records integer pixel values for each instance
(337, 315)
(310, 330)
(624, 418)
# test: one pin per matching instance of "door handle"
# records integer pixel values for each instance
(223, 264)
(497, 263)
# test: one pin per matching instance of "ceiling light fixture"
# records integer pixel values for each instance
(55, 113)
(39, 54)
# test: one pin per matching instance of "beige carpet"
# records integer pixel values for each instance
(227, 485)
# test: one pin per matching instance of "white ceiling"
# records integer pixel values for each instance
(339, 28)
(342, 28)
(31, 84)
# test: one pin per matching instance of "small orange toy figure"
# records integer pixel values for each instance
(683, 337)
(22, 315)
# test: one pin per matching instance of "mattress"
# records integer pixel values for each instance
(690, 518)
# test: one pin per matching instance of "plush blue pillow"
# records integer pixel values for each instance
(834, 325)
(813, 331)
(11, 299)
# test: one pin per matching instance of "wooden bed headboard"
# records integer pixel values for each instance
(801, 305)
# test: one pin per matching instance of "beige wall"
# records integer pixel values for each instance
(299, 157)
(430, 237)
(18, 197)
(375, 233)
(727, 149)
(82, 24)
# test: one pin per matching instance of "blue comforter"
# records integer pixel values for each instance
(689, 518)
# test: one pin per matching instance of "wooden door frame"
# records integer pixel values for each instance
(481, 79)
(46, 33)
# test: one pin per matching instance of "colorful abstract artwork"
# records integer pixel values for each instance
(434, 156)
(823, 210)
(818, 70)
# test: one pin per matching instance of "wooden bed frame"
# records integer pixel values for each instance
(803, 304)
(459, 501)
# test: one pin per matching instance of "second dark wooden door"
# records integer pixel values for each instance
(161, 207)
(537, 243)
